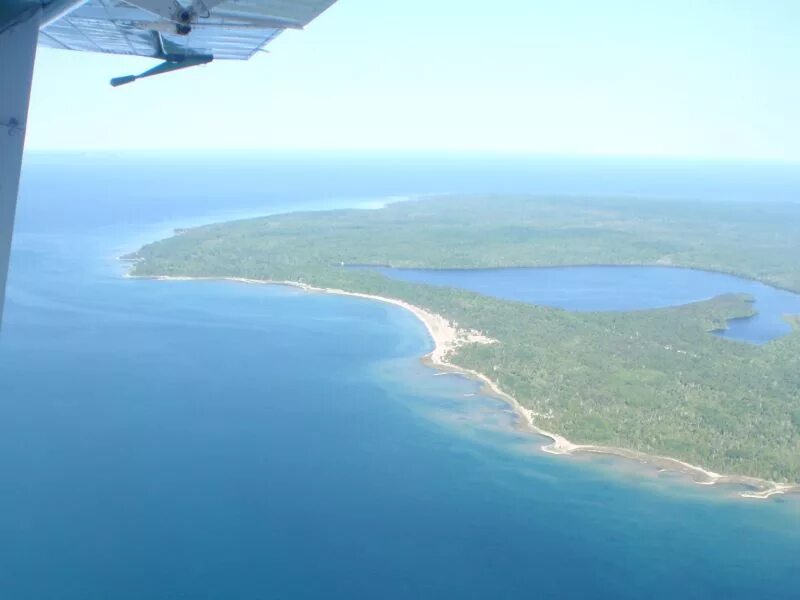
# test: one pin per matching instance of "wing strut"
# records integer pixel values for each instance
(171, 63)
(17, 54)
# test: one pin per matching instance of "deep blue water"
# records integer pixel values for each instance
(167, 440)
(604, 288)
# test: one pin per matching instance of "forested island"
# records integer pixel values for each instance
(652, 381)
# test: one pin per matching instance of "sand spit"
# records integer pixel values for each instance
(448, 336)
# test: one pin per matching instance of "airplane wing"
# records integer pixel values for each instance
(233, 29)
(179, 33)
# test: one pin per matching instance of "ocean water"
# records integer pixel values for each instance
(606, 288)
(168, 440)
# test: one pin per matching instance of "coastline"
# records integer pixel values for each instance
(448, 336)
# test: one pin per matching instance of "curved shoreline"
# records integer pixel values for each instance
(447, 337)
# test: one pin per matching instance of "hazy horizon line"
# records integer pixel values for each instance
(363, 152)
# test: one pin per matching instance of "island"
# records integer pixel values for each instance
(654, 385)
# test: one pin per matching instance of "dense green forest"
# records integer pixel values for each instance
(654, 381)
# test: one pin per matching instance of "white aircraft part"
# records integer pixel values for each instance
(56, 9)
(231, 29)
(219, 29)
(166, 9)
(17, 54)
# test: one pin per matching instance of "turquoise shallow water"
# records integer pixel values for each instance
(215, 440)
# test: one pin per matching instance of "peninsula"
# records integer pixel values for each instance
(650, 383)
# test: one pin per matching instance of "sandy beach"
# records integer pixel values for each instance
(448, 336)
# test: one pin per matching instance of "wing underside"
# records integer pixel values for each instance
(234, 29)
(181, 33)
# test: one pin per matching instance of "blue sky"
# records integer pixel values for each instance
(622, 77)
